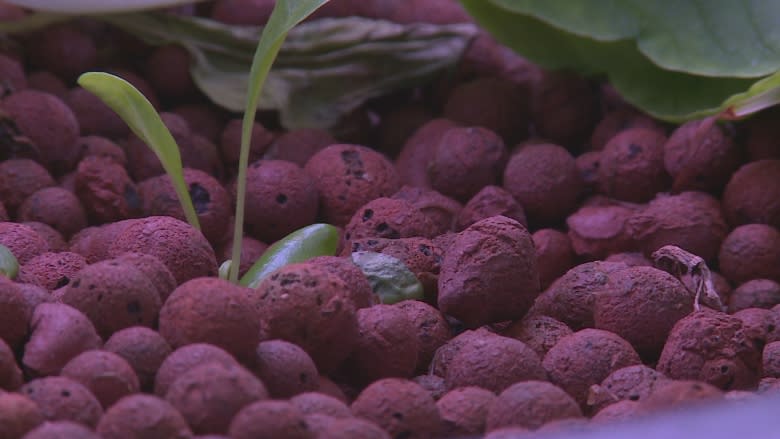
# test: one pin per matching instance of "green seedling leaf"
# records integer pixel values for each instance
(390, 278)
(299, 246)
(677, 60)
(285, 15)
(143, 120)
(9, 266)
(224, 269)
(82, 7)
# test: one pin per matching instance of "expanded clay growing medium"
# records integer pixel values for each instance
(529, 205)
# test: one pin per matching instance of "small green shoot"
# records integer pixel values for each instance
(286, 14)
(390, 278)
(299, 246)
(9, 266)
(139, 114)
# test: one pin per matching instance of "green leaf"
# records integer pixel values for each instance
(74, 7)
(299, 246)
(9, 266)
(285, 15)
(671, 71)
(389, 277)
(143, 120)
(326, 68)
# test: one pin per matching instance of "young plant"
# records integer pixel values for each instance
(144, 121)
(9, 266)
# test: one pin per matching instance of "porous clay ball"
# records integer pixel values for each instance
(554, 255)
(185, 358)
(388, 218)
(508, 433)
(20, 178)
(16, 314)
(432, 329)
(10, 374)
(467, 159)
(280, 197)
(53, 238)
(489, 273)
(154, 270)
(570, 299)
(48, 82)
(59, 333)
(51, 270)
(444, 355)
(348, 176)
(62, 430)
(358, 288)
(13, 73)
(756, 293)
(211, 201)
(440, 209)
(400, 407)
(585, 358)
(307, 305)
(114, 295)
(102, 146)
(18, 415)
(298, 145)
(387, 344)
(63, 399)
(632, 383)
(619, 120)
(489, 201)
(34, 295)
(530, 404)
(711, 346)
(544, 179)
(700, 155)
(770, 360)
(756, 323)
(750, 252)
(691, 220)
(143, 348)
(564, 108)
(182, 248)
(203, 119)
(93, 242)
(434, 384)
(66, 50)
(106, 190)
(620, 411)
(107, 375)
(632, 259)
(22, 241)
(752, 195)
(93, 115)
(56, 207)
(600, 229)
(642, 304)
(538, 332)
(497, 104)
(493, 363)
(211, 310)
(269, 419)
(285, 368)
(330, 388)
(464, 410)
(143, 416)
(310, 403)
(671, 394)
(167, 70)
(632, 165)
(230, 142)
(353, 428)
(48, 122)
(588, 164)
(210, 395)
(418, 151)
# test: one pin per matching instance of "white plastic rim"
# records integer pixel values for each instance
(95, 6)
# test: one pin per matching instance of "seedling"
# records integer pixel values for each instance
(143, 120)
(9, 266)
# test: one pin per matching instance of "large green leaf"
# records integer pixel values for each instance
(632, 44)
(139, 114)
